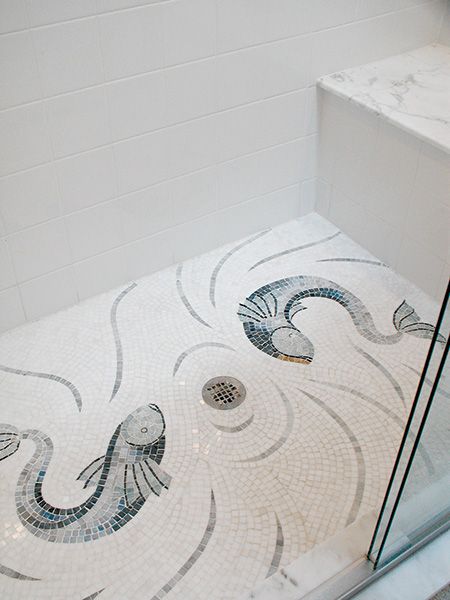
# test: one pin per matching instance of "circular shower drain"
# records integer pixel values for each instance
(223, 393)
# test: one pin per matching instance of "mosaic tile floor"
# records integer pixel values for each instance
(126, 473)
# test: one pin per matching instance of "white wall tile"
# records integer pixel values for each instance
(137, 105)
(95, 229)
(252, 22)
(418, 264)
(191, 91)
(389, 180)
(132, 41)
(171, 108)
(49, 293)
(324, 14)
(68, 55)
(433, 173)
(334, 49)
(44, 12)
(308, 194)
(39, 250)
(146, 212)
(195, 237)
(268, 70)
(101, 273)
(194, 195)
(11, 310)
(150, 254)
(189, 30)
(192, 145)
(24, 138)
(240, 130)
(78, 121)
(7, 277)
(323, 194)
(86, 179)
(19, 78)
(260, 173)
(428, 222)
(29, 198)
(259, 213)
(142, 161)
(13, 15)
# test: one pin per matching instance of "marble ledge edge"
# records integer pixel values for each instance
(327, 84)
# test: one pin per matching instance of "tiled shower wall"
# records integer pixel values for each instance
(134, 134)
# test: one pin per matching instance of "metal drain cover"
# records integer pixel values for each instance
(224, 393)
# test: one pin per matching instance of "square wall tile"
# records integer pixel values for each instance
(39, 250)
(261, 125)
(195, 237)
(137, 105)
(142, 161)
(191, 90)
(101, 273)
(78, 121)
(69, 56)
(95, 230)
(242, 24)
(194, 195)
(421, 266)
(132, 41)
(13, 15)
(308, 193)
(146, 212)
(260, 173)
(189, 30)
(44, 12)
(11, 309)
(24, 137)
(264, 71)
(150, 254)
(48, 294)
(19, 77)
(29, 198)
(86, 179)
(7, 277)
(192, 145)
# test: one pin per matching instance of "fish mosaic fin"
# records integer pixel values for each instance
(406, 320)
(92, 473)
(252, 311)
(9, 440)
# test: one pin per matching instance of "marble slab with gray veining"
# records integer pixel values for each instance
(410, 90)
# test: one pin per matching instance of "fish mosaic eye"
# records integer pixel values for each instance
(144, 426)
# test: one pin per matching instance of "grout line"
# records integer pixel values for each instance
(163, 3)
(307, 34)
(173, 228)
(158, 184)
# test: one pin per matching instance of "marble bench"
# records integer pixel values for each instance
(384, 161)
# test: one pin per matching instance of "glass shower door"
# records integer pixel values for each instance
(417, 503)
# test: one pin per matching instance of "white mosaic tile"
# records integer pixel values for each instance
(188, 501)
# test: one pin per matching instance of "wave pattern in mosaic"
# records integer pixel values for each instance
(201, 503)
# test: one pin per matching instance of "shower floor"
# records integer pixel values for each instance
(240, 477)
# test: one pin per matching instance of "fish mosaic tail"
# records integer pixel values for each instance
(406, 320)
(10, 438)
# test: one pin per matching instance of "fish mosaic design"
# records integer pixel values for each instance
(267, 316)
(122, 479)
